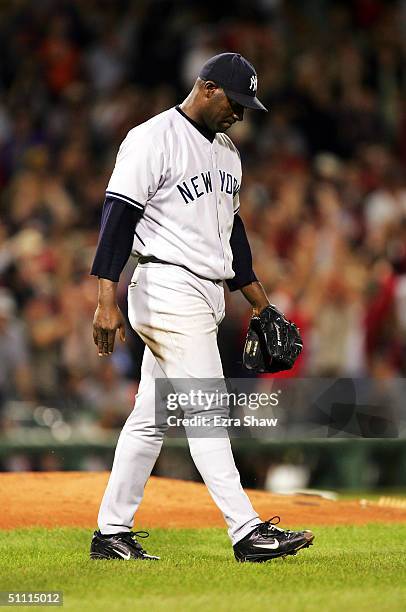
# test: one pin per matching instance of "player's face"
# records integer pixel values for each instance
(222, 112)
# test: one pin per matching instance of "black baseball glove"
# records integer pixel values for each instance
(273, 343)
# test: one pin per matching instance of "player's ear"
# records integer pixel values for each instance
(209, 88)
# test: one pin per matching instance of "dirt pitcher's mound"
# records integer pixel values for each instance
(53, 499)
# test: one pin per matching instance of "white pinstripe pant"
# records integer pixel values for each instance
(177, 315)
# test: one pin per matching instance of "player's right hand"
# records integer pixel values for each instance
(107, 320)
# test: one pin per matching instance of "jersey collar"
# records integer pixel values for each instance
(204, 131)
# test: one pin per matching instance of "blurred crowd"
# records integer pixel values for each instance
(323, 196)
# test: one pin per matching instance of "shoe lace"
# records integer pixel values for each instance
(270, 525)
(131, 537)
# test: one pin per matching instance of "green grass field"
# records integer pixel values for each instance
(348, 568)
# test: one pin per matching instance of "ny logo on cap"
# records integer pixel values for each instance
(254, 82)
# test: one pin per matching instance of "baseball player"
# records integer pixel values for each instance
(172, 201)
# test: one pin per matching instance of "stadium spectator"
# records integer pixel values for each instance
(323, 194)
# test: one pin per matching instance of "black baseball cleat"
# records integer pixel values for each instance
(121, 545)
(268, 542)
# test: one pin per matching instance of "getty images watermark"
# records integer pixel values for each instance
(213, 407)
(282, 409)
(202, 403)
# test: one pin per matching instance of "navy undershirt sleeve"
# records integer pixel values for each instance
(115, 239)
(242, 257)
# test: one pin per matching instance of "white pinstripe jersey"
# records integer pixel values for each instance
(188, 189)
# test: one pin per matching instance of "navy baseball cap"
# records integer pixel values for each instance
(236, 76)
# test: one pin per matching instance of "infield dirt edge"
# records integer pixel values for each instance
(71, 499)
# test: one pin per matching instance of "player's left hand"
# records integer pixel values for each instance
(273, 343)
(107, 320)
